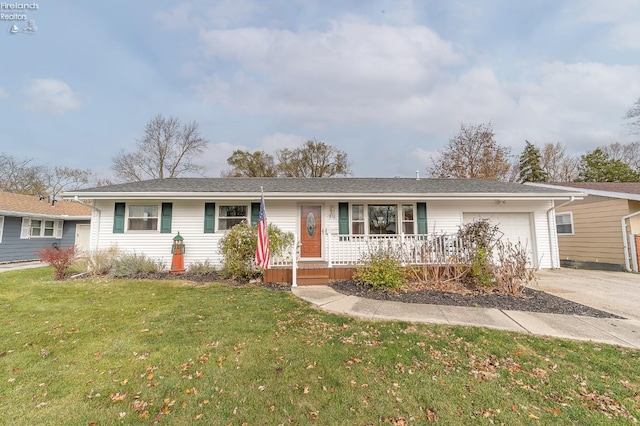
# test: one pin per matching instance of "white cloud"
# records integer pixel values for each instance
(3, 93)
(354, 71)
(622, 17)
(50, 95)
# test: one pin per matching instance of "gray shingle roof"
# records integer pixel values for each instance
(320, 186)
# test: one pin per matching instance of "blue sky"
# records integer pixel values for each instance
(388, 82)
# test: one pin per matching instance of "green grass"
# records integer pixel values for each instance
(137, 352)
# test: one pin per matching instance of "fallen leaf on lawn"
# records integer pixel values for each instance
(117, 397)
(533, 416)
(198, 417)
(144, 330)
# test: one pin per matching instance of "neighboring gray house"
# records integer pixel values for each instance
(333, 219)
(28, 224)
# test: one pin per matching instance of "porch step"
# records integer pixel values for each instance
(313, 280)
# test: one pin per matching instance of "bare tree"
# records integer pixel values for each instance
(473, 153)
(60, 179)
(560, 166)
(247, 164)
(21, 176)
(168, 149)
(313, 159)
(633, 114)
(628, 153)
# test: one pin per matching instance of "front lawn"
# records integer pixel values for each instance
(140, 352)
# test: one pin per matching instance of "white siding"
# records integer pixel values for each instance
(188, 219)
(447, 216)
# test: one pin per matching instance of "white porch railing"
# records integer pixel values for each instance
(344, 250)
(414, 249)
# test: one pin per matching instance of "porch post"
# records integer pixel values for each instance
(294, 263)
(329, 264)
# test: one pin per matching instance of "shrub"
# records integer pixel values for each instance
(238, 249)
(199, 267)
(129, 264)
(59, 259)
(382, 269)
(511, 272)
(478, 240)
(101, 261)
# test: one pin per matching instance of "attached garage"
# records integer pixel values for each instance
(515, 227)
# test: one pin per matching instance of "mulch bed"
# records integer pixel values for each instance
(532, 300)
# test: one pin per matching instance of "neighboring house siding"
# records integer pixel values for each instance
(14, 248)
(634, 206)
(597, 231)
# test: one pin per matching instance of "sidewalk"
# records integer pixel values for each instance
(612, 331)
(14, 266)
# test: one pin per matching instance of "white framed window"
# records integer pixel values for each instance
(1, 227)
(564, 223)
(357, 219)
(229, 216)
(383, 218)
(408, 219)
(41, 228)
(143, 218)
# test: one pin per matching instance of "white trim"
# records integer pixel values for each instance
(26, 228)
(43, 216)
(570, 214)
(1, 227)
(588, 191)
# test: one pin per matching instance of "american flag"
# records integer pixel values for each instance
(262, 247)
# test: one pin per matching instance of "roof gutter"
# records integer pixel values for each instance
(627, 264)
(553, 233)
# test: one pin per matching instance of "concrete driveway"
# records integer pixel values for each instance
(615, 292)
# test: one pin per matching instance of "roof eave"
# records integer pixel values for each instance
(588, 191)
(43, 215)
(323, 196)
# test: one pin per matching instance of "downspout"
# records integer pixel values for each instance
(553, 235)
(624, 241)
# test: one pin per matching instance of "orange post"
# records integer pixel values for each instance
(177, 262)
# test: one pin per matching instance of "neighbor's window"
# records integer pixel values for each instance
(357, 219)
(39, 228)
(383, 219)
(564, 223)
(143, 218)
(230, 216)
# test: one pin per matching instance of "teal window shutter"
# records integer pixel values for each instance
(422, 217)
(209, 218)
(118, 218)
(165, 218)
(343, 218)
(255, 213)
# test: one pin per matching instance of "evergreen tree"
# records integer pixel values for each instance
(597, 166)
(530, 165)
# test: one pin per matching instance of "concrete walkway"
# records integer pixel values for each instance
(613, 331)
(14, 266)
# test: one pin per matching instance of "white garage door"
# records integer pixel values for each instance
(515, 226)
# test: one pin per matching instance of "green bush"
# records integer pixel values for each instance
(130, 264)
(382, 269)
(238, 248)
(478, 239)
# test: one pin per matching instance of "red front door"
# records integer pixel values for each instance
(310, 231)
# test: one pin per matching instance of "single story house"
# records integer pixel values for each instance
(601, 231)
(30, 223)
(333, 219)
